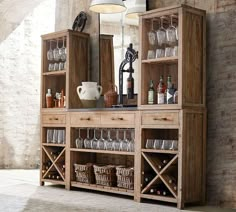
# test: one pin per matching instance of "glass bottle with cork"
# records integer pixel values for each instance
(170, 91)
(151, 93)
(161, 89)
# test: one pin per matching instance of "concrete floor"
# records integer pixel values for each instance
(20, 191)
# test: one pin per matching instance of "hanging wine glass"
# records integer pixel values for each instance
(56, 54)
(116, 141)
(101, 141)
(171, 32)
(87, 141)
(108, 141)
(152, 37)
(161, 33)
(124, 142)
(131, 142)
(62, 51)
(94, 141)
(79, 142)
(50, 51)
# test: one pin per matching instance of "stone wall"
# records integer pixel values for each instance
(20, 65)
(221, 97)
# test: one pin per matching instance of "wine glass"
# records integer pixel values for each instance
(152, 37)
(161, 33)
(60, 139)
(131, 142)
(101, 141)
(94, 141)
(56, 54)
(171, 32)
(55, 136)
(79, 142)
(62, 51)
(50, 51)
(87, 141)
(116, 141)
(149, 144)
(108, 141)
(124, 142)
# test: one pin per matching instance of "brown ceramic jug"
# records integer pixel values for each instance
(110, 97)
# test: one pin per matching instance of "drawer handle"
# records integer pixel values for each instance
(85, 119)
(56, 119)
(160, 119)
(113, 119)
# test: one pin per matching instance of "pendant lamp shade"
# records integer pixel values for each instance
(138, 8)
(107, 6)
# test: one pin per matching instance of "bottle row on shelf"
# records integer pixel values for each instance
(165, 94)
(106, 139)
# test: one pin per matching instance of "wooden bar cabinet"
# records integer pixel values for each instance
(176, 175)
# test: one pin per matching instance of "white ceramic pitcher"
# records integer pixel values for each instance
(89, 91)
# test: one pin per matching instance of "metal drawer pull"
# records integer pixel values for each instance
(160, 119)
(117, 119)
(56, 119)
(85, 119)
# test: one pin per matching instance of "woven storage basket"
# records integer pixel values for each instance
(84, 173)
(105, 175)
(125, 177)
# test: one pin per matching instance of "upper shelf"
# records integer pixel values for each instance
(53, 73)
(170, 60)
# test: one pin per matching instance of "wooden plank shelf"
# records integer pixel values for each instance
(54, 145)
(160, 151)
(95, 187)
(165, 60)
(54, 73)
(101, 151)
(160, 198)
(54, 181)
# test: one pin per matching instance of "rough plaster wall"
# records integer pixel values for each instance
(221, 97)
(12, 12)
(20, 66)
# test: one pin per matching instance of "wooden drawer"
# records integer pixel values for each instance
(118, 119)
(85, 118)
(160, 118)
(53, 118)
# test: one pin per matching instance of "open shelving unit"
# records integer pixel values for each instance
(184, 121)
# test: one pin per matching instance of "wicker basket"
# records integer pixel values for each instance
(125, 177)
(105, 175)
(84, 173)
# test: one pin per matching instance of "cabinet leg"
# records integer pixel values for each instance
(137, 198)
(67, 187)
(180, 205)
(41, 183)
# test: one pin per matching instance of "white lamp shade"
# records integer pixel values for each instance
(107, 6)
(138, 8)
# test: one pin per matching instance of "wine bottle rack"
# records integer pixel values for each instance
(163, 173)
(54, 163)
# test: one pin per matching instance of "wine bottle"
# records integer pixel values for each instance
(130, 86)
(161, 91)
(153, 191)
(170, 91)
(151, 93)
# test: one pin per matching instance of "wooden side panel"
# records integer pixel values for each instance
(106, 62)
(192, 156)
(78, 67)
(192, 59)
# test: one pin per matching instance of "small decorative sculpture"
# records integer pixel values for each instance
(80, 22)
(130, 56)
